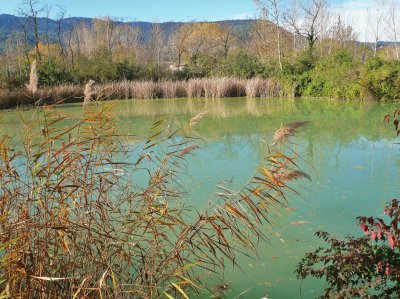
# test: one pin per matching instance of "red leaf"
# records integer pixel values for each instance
(390, 238)
(373, 235)
(387, 118)
(365, 229)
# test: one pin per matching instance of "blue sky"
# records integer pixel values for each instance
(357, 13)
(151, 10)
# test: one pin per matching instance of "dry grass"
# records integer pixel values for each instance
(75, 222)
(263, 88)
(193, 88)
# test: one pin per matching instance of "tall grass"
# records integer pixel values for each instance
(263, 88)
(76, 223)
(193, 88)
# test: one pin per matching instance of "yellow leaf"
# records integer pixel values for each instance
(168, 295)
(180, 290)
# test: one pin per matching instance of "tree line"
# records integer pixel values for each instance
(302, 43)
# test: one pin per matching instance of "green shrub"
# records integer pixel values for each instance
(380, 79)
(52, 73)
(333, 76)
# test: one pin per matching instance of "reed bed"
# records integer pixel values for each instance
(193, 88)
(263, 88)
(76, 223)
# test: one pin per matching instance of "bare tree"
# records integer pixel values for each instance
(130, 40)
(226, 37)
(376, 16)
(106, 32)
(310, 22)
(270, 10)
(156, 43)
(393, 24)
(342, 32)
(47, 10)
(59, 18)
(31, 12)
(179, 41)
(14, 50)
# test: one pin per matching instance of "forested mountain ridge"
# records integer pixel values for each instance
(10, 23)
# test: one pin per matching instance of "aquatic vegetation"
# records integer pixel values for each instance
(192, 88)
(79, 219)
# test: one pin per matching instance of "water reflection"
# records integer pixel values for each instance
(347, 149)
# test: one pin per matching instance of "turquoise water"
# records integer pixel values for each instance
(347, 149)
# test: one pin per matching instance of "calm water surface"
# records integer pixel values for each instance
(347, 149)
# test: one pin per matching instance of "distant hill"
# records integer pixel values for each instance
(9, 23)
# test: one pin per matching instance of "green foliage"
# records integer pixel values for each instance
(380, 79)
(53, 72)
(333, 76)
(201, 65)
(344, 74)
(241, 65)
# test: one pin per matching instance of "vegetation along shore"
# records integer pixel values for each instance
(255, 57)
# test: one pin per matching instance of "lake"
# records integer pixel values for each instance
(347, 149)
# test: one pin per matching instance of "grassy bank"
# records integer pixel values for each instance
(192, 88)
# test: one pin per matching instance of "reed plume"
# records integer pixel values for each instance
(284, 133)
(33, 79)
(197, 118)
(286, 175)
(89, 92)
(187, 150)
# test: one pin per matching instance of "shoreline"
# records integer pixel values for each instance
(165, 89)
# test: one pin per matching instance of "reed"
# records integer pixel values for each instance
(75, 222)
(263, 88)
(32, 87)
(195, 88)
(192, 88)
(172, 89)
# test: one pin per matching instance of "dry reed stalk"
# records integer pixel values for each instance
(194, 88)
(77, 225)
(33, 79)
(208, 86)
(287, 175)
(288, 131)
(197, 118)
(88, 92)
(263, 88)
(66, 91)
(187, 150)
(168, 89)
(143, 89)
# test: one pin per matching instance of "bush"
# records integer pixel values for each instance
(241, 65)
(333, 76)
(359, 267)
(380, 79)
(51, 73)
